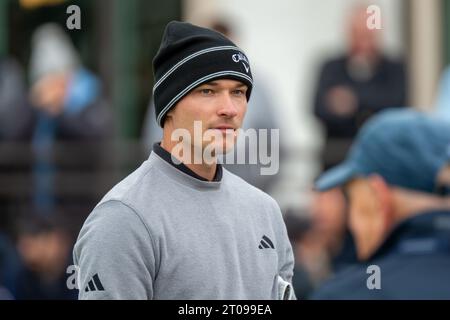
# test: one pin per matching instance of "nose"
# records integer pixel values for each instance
(227, 107)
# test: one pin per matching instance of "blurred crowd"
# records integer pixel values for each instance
(57, 126)
(48, 128)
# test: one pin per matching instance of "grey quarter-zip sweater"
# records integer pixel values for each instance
(163, 234)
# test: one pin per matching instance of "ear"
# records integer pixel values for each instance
(169, 114)
(383, 193)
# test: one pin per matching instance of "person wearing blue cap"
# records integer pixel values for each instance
(396, 178)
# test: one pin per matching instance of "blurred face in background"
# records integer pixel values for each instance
(364, 42)
(44, 252)
(49, 92)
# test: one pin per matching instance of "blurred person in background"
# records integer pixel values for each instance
(45, 252)
(397, 180)
(67, 106)
(353, 87)
(66, 96)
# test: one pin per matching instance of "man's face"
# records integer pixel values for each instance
(366, 221)
(220, 107)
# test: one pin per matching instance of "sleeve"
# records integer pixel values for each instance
(115, 255)
(287, 269)
(286, 260)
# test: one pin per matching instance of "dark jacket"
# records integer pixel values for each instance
(386, 88)
(414, 263)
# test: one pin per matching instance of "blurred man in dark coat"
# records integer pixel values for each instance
(353, 87)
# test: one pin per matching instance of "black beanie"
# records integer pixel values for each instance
(190, 56)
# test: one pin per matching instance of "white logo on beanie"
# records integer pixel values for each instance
(241, 57)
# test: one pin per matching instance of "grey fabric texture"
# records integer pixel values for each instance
(162, 234)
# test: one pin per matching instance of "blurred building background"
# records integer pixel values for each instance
(287, 42)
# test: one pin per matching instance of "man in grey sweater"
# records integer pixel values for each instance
(183, 229)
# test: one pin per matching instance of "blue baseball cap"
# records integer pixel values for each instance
(406, 147)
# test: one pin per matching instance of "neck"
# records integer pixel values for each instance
(410, 203)
(203, 169)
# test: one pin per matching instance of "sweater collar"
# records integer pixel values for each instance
(162, 159)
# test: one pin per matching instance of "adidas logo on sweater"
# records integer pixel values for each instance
(266, 243)
(94, 284)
